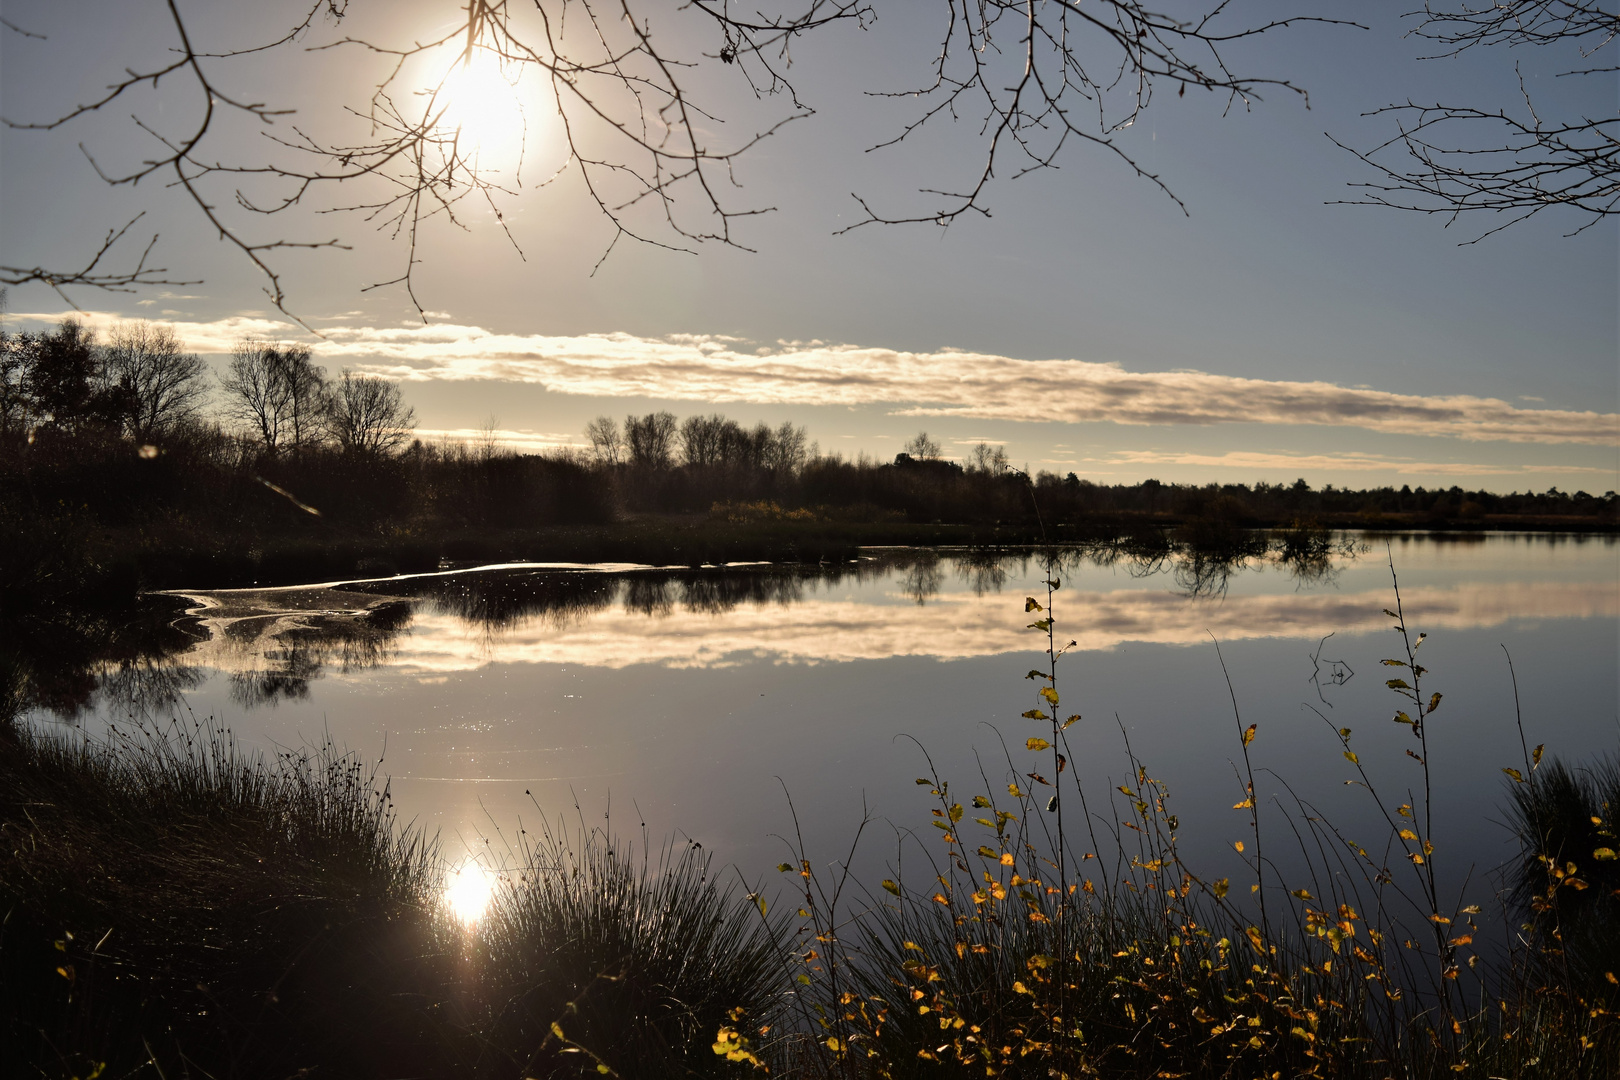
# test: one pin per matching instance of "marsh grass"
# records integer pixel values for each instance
(175, 905)
(1048, 930)
(172, 900)
(641, 955)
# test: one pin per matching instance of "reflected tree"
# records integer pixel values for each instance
(921, 580)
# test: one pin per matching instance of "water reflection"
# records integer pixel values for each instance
(272, 644)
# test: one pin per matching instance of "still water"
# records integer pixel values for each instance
(694, 704)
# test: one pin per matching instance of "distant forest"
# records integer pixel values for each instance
(133, 437)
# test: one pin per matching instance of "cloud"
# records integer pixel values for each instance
(948, 382)
(1346, 462)
(521, 439)
(821, 629)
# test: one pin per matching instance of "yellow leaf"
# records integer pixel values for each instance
(1006, 858)
(1246, 804)
(1248, 736)
(556, 1029)
(1518, 777)
(1350, 756)
(1049, 694)
(1238, 844)
(1037, 744)
(891, 886)
(1220, 887)
(1434, 703)
(1070, 720)
(1606, 854)
(1031, 604)
(1408, 834)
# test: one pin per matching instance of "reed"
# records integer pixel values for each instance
(174, 904)
(1045, 929)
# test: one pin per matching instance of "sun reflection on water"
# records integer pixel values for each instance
(468, 891)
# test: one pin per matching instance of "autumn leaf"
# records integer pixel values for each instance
(1037, 744)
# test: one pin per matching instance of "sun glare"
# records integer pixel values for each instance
(468, 892)
(484, 109)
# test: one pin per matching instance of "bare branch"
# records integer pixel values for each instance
(1458, 159)
(1032, 77)
(91, 275)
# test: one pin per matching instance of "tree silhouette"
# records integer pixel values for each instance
(1032, 79)
(1458, 159)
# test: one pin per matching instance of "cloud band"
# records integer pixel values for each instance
(714, 369)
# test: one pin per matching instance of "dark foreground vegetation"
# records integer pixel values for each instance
(175, 906)
(124, 463)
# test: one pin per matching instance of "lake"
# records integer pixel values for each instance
(694, 703)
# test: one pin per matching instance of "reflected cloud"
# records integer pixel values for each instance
(272, 644)
(961, 625)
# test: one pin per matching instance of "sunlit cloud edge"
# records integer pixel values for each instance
(943, 383)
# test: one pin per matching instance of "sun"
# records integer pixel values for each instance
(483, 111)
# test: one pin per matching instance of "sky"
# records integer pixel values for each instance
(1087, 322)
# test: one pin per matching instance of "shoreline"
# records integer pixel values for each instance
(155, 561)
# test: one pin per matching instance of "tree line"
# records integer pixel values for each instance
(141, 386)
(135, 432)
